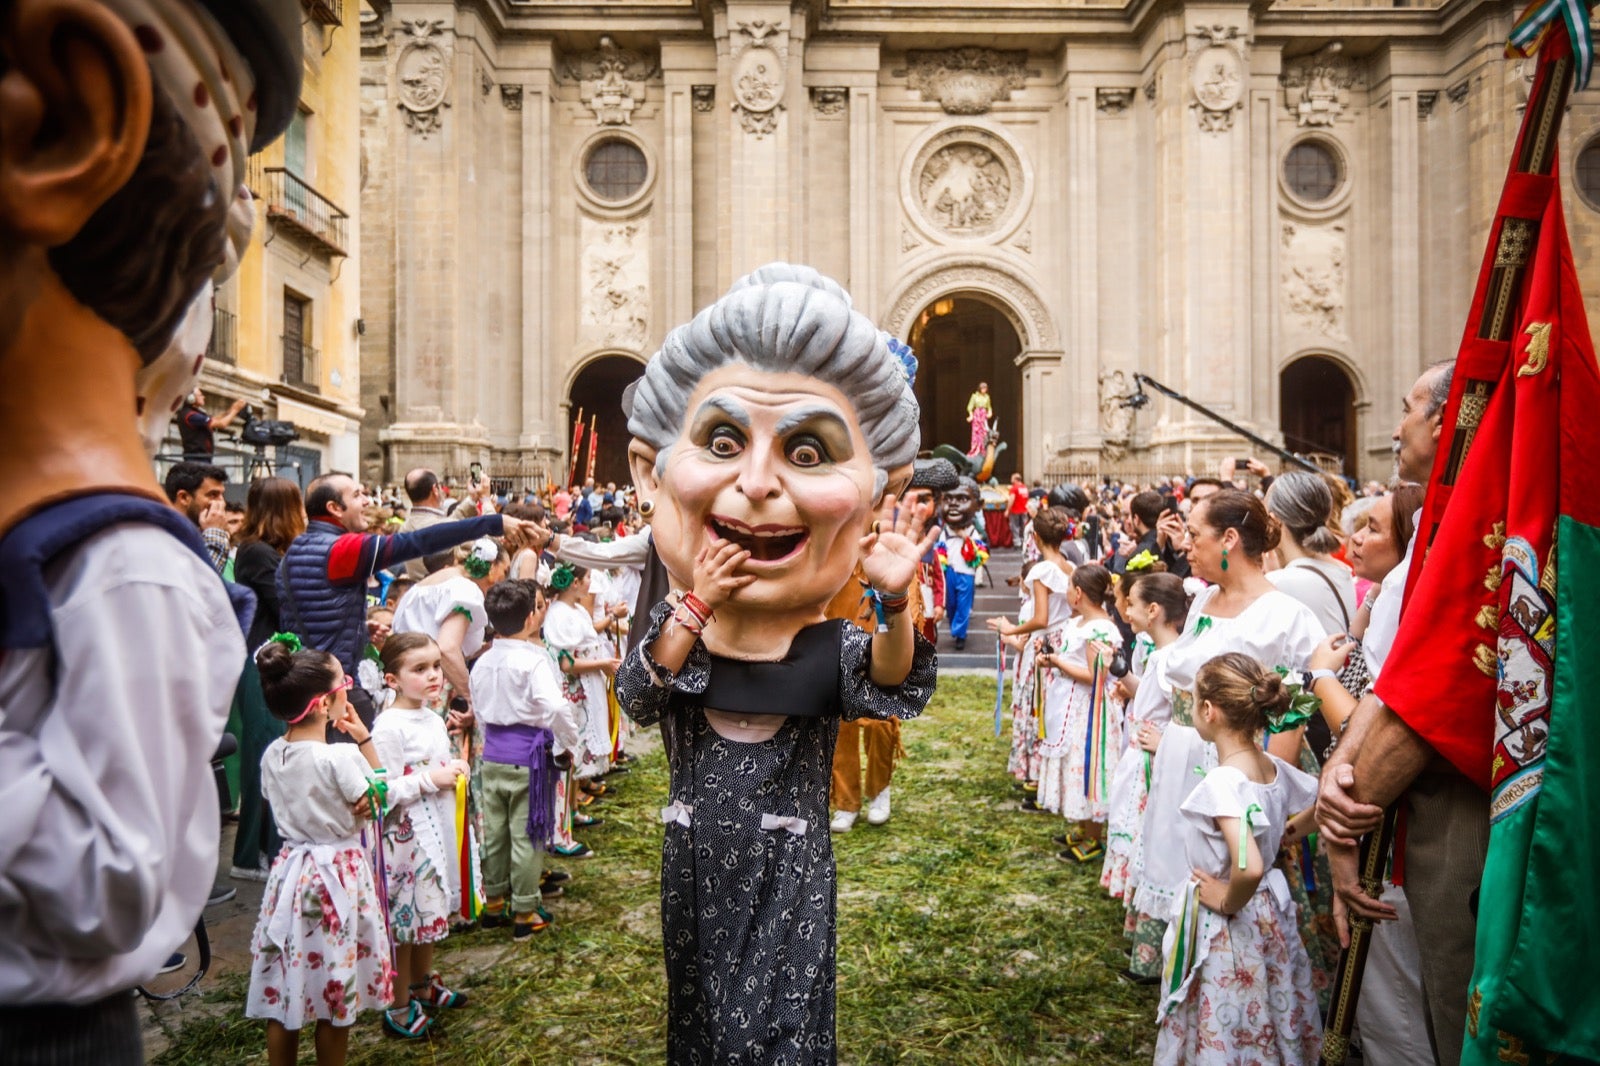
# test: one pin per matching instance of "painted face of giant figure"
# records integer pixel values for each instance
(961, 504)
(765, 443)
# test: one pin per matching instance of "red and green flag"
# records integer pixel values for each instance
(1504, 613)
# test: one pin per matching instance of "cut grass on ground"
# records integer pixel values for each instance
(962, 938)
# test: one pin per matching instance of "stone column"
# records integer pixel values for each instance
(1043, 380)
(760, 49)
(542, 424)
(683, 66)
(428, 75)
(1081, 378)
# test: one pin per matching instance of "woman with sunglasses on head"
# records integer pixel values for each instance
(321, 947)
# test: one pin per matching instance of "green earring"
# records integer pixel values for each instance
(1224, 560)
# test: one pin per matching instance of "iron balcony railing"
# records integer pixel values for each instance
(223, 345)
(300, 365)
(294, 205)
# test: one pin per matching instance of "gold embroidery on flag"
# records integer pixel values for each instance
(1511, 1048)
(1488, 616)
(1538, 349)
(1485, 659)
(1474, 1005)
(1492, 579)
(1496, 538)
(1516, 240)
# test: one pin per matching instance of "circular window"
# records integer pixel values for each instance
(615, 170)
(1587, 173)
(1312, 172)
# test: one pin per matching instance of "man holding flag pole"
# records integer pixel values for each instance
(1478, 715)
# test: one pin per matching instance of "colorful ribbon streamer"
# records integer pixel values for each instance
(1539, 17)
(999, 680)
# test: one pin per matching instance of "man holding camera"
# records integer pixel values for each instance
(197, 430)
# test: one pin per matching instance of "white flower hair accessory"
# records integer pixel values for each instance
(480, 560)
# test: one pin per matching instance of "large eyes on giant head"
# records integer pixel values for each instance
(725, 443)
(806, 451)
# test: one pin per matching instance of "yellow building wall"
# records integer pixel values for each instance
(279, 258)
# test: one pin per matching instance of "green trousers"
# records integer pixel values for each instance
(511, 862)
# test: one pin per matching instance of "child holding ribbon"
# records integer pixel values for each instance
(321, 946)
(1081, 735)
(423, 875)
(1237, 982)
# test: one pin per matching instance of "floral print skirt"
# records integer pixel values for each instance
(419, 897)
(1248, 1000)
(320, 961)
(1125, 823)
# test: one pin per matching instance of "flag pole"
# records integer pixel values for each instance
(577, 443)
(1513, 240)
(593, 440)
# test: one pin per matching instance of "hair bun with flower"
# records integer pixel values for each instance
(562, 577)
(1143, 561)
(480, 560)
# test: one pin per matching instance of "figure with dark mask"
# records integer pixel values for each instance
(126, 129)
(962, 552)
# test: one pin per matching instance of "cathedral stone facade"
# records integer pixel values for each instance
(1277, 207)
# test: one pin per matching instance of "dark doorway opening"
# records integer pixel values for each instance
(597, 391)
(1317, 402)
(961, 341)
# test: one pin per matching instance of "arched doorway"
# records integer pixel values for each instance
(960, 341)
(597, 392)
(1317, 405)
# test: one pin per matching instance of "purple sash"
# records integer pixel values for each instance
(530, 746)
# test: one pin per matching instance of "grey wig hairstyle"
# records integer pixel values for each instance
(1303, 502)
(782, 318)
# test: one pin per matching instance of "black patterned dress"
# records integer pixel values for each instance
(747, 878)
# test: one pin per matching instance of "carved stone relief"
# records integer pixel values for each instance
(611, 81)
(1316, 88)
(1425, 101)
(1116, 420)
(1458, 92)
(967, 183)
(1313, 275)
(1113, 101)
(966, 81)
(830, 100)
(703, 97)
(1016, 300)
(759, 78)
(908, 240)
(421, 74)
(615, 283)
(1216, 76)
(511, 96)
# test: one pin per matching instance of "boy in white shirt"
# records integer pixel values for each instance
(527, 726)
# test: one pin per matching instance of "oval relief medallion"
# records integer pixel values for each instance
(1217, 78)
(758, 79)
(967, 183)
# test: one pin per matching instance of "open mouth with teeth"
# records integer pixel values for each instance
(765, 543)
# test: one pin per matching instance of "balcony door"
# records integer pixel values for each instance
(296, 315)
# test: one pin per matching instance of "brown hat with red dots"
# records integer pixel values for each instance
(267, 34)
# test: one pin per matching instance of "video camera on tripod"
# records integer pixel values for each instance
(266, 432)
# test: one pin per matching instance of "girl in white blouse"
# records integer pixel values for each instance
(419, 833)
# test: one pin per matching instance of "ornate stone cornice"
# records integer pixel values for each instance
(966, 81)
(1113, 101)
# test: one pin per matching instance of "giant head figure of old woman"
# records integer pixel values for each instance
(778, 418)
